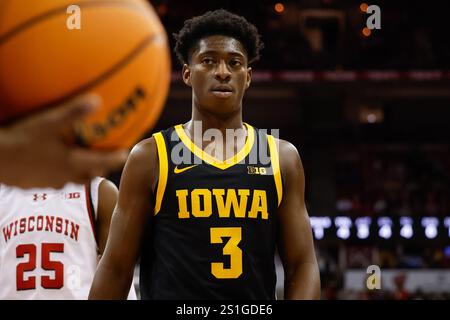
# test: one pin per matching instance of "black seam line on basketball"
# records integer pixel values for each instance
(105, 75)
(35, 20)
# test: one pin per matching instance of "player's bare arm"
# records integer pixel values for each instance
(131, 215)
(295, 242)
(107, 199)
(38, 151)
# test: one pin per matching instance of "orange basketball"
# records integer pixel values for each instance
(52, 51)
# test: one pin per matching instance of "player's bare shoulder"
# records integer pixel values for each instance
(289, 157)
(142, 163)
(144, 150)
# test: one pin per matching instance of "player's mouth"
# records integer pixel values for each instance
(222, 91)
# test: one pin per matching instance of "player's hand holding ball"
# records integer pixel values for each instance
(114, 48)
(119, 53)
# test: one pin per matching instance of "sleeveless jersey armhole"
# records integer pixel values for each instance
(163, 170)
(95, 185)
(91, 194)
(275, 161)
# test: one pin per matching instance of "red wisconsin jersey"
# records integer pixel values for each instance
(48, 248)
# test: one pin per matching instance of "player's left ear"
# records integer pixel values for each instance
(249, 78)
(186, 74)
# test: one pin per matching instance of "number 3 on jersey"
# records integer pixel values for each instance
(46, 264)
(231, 248)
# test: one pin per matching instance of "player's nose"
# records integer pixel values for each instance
(222, 71)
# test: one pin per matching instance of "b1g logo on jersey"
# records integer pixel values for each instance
(73, 195)
(256, 170)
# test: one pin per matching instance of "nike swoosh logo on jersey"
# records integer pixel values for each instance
(176, 170)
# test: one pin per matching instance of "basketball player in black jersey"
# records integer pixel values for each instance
(209, 227)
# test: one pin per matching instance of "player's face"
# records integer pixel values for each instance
(218, 73)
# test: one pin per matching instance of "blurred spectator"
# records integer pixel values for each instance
(400, 292)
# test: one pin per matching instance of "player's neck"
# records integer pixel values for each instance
(229, 143)
(213, 121)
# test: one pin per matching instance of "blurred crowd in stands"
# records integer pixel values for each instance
(333, 271)
(326, 34)
(394, 180)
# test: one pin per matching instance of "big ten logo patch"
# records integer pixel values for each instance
(256, 170)
(373, 21)
(73, 21)
(73, 195)
(374, 277)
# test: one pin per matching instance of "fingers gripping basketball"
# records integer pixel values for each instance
(120, 52)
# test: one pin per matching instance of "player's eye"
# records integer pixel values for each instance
(235, 63)
(207, 61)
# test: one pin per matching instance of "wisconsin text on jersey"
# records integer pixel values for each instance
(41, 223)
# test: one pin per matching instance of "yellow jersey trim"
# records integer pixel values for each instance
(238, 157)
(274, 159)
(163, 170)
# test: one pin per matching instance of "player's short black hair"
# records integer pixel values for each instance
(218, 22)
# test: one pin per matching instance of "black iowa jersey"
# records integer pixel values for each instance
(213, 235)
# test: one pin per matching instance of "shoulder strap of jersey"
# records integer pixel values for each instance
(275, 161)
(90, 208)
(95, 185)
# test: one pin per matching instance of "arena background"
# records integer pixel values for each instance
(369, 115)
